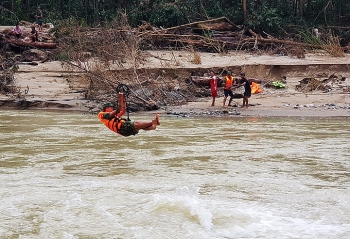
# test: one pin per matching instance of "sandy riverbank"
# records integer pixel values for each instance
(47, 85)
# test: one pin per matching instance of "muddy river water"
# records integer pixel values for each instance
(65, 175)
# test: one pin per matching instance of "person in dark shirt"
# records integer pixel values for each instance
(39, 19)
(33, 35)
(247, 90)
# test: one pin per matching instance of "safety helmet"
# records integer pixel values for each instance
(107, 104)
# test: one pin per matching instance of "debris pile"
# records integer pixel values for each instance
(6, 82)
(326, 85)
(217, 35)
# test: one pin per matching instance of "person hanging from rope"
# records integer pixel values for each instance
(113, 120)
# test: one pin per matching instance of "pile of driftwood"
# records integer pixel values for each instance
(214, 35)
(218, 35)
(313, 84)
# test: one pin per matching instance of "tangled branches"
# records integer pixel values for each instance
(100, 59)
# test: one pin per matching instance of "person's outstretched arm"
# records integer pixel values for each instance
(121, 105)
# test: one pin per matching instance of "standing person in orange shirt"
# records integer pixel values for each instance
(229, 80)
(213, 86)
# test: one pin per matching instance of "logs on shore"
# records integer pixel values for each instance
(39, 45)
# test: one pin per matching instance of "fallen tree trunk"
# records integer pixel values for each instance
(26, 63)
(204, 41)
(40, 45)
(285, 42)
(273, 40)
(200, 22)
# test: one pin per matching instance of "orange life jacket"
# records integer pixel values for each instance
(113, 124)
(228, 83)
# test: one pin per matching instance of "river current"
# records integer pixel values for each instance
(65, 175)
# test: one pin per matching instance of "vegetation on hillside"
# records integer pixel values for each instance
(272, 16)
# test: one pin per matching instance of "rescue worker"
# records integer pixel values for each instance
(229, 80)
(113, 119)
